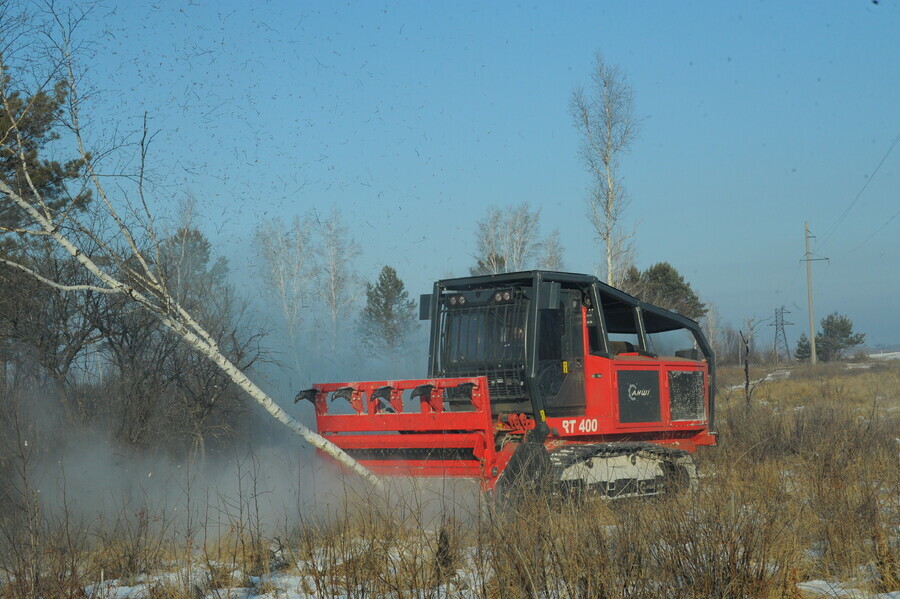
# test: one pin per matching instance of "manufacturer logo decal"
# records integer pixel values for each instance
(635, 394)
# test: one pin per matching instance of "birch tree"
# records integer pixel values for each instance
(287, 254)
(507, 239)
(336, 281)
(118, 266)
(166, 393)
(489, 258)
(552, 252)
(710, 322)
(604, 116)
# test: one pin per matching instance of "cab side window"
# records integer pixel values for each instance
(621, 324)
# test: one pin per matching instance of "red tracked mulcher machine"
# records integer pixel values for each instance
(537, 376)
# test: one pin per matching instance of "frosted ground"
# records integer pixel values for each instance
(321, 568)
(286, 586)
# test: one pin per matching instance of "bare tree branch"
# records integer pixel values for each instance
(288, 270)
(141, 282)
(54, 284)
(336, 251)
(507, 239)
(605, 119)
(552, 252)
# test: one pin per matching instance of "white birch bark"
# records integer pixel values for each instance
(552, 252)
(287, 254)
(337, 283)
(171, 314)
(138, 279)
(605, 118)
(507, 239)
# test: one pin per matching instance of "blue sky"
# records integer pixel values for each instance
(414, 118)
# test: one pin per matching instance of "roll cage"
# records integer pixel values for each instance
(497, 326)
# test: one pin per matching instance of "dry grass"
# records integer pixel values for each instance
(857, 386)
(833, 433)
(804, 485)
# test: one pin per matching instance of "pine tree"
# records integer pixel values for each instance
(662, 285)
(803, 350)
(36, 118)
(389, 314)
(837, 336)
(29, 125)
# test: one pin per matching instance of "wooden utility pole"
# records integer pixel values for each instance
(812, 321)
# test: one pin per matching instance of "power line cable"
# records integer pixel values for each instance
(856, 199)
(869, 238)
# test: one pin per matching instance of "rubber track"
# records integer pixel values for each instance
(569, 455)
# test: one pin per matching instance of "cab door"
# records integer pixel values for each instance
(560, 372)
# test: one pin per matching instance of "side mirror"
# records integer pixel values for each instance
(425, 307)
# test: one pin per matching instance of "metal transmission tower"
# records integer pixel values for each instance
(781, 344)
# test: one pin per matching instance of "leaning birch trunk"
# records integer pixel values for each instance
(172, 315)
(259, 396)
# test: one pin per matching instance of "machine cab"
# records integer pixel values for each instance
(566, 349)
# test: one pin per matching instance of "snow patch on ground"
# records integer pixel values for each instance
(894, 355)
(778, 375)
(783, 373)
(845, 591)
(463, 584)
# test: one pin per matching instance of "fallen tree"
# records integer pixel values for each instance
(117, 263)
